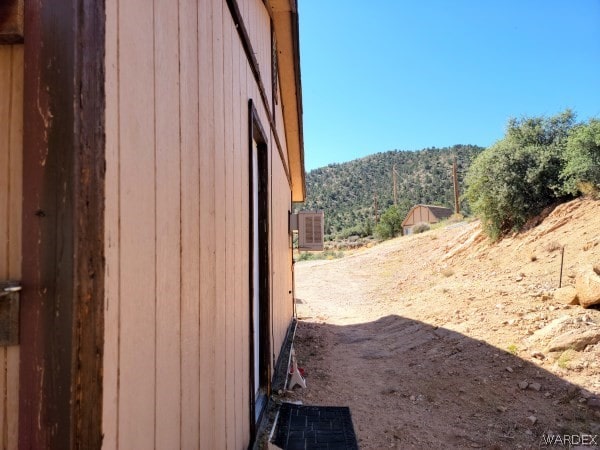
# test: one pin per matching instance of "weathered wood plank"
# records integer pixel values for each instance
(88, 216)
(48, 213)
(63, 211)
(137, 394)
(168, 226)
(208, 226)
(190, 225)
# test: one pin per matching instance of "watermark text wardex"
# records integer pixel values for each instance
(566, 440)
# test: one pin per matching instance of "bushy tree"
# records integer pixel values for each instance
(581, 173)
(390, 223)
(519, 175)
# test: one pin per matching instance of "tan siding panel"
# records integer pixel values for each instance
(257, 22)
(229, 227)
(266, 56)
(177, 243)
(280, 128)
(220, 211)
(282, 300)
(110, 394)
(138, 228)
(190, 233)
(240, 351)
(245, 258)
(208, 243)
(168, 220)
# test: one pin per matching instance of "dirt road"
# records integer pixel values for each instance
(444, 340)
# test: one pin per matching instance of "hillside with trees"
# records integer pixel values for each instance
(348, 192)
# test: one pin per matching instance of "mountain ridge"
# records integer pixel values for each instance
(348, 191)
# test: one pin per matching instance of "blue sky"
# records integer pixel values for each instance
(408, 74)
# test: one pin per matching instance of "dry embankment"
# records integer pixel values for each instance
(445, 340)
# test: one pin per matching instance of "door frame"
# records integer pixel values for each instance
(62, 301)
(258, 404)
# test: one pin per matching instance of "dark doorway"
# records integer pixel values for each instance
(259, 269)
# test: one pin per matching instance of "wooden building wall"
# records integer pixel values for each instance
(176, 355)
(281, 256)
(423, 214)
(420, 214)
(11, 147)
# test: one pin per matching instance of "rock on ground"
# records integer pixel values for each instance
(577, 339)
(588, 288)
(567, 295)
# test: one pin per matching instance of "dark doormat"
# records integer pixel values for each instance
(314, 427)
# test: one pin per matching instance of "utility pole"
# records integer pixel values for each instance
(375, 208)
(394, 175)
(455, 178)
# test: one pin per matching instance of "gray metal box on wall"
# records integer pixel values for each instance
(311, 230)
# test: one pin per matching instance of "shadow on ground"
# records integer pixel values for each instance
(411, 385)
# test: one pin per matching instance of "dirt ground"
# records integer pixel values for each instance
(445, 340)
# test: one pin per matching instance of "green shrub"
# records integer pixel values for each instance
(519, 176)
(421, 228)
(581, 173)
(390, 224)
(362, 230)
(312, 256)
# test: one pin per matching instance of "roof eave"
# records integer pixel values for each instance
(286, 26)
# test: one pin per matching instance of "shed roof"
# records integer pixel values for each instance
(440, 212)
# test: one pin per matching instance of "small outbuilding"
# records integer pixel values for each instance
(424, 214)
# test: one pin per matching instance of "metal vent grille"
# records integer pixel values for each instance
(310, 230)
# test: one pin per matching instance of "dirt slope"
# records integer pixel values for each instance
(441, 340)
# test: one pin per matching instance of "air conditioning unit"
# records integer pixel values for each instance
(310, 230)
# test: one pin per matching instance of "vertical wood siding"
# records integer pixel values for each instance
(258, 24)
(176, 365)
(208, 230)
(282, 254)
(11, 147)
(279, 122)
(168, 225)
(281, 257)
(190, 218)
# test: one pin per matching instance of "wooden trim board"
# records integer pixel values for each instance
(62, 319)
